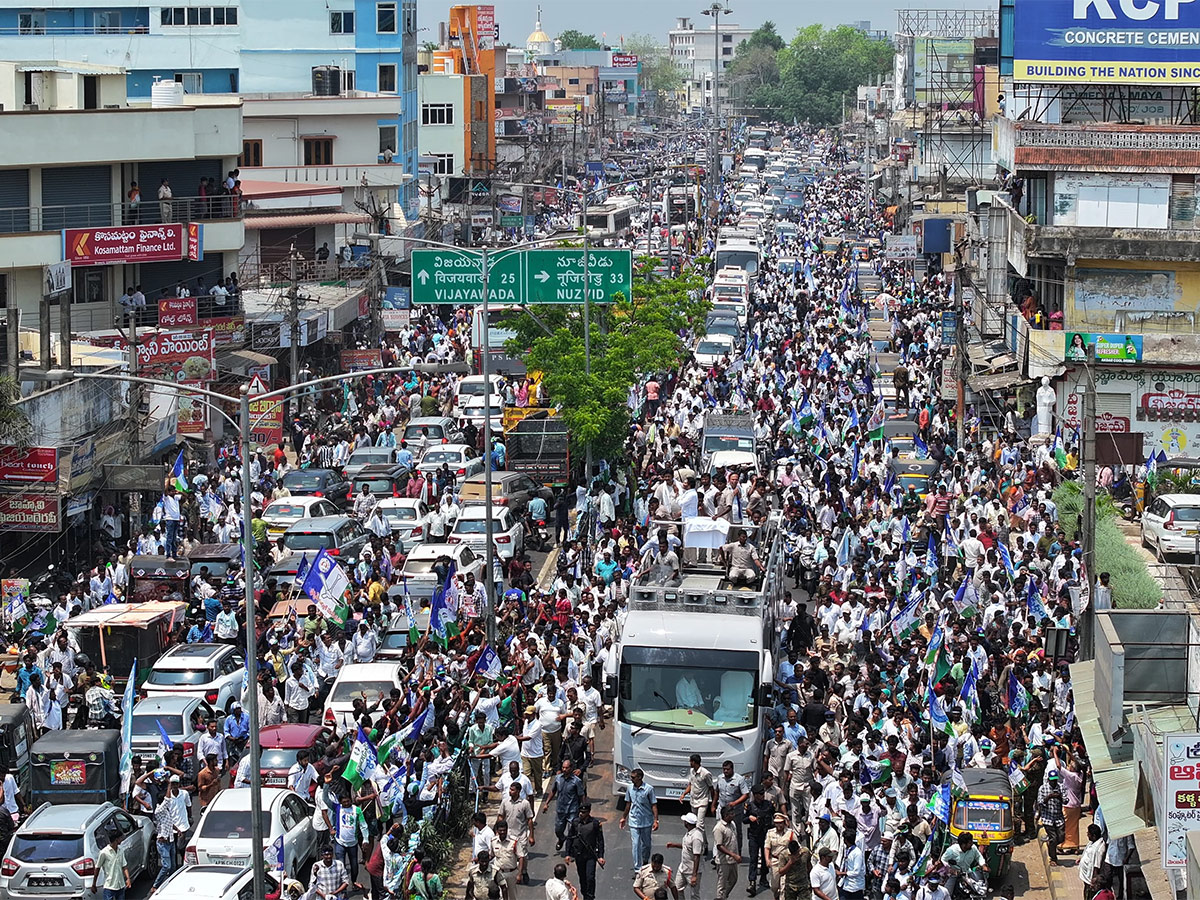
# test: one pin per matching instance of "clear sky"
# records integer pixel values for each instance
(624, 17)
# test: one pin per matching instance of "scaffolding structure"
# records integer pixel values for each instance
(937, 46)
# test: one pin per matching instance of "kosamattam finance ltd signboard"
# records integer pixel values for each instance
(1107, 41)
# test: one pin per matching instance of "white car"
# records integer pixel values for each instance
(473, 410)
(223, 837)
(474, 386)
(408, 518)
(1171, 523)
(212, 672)
(371, 682)
(418, 572)
(280, 515)
(212, 883)
(508, 533)
(462, 460)
(711, 349)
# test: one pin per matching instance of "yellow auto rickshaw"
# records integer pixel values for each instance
(986, 813)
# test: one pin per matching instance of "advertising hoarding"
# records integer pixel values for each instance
(1106, 42)
(125, 244)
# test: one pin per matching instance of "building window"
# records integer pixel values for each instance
(572, 81)
(251, 157)
(410, 18)
(106, 21)
(348, 80)
(197, 15)
(385, 18)
(341, 22)
(193, 82)
(727, 51)
(387, 138)
(727, 39)
(387, 78)
(318, 151)
(437, 114)
(443, 163)
(33, 22)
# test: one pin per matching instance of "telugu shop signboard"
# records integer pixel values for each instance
(1107, 41)
(132, 244)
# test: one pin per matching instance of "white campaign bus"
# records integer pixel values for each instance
(737, 249)
(696, 666)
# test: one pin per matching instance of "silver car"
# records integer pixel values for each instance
(182, 720)
(53, 854)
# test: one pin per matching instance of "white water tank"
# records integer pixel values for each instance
(164, 94)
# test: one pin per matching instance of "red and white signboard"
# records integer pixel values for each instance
(32, 465)
(31, 512)
(125, 244)
(360, 360)
(485, 27)
(185, 355)
(624, 61)
(174, 312)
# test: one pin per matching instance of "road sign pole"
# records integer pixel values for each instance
(485, 366)
(587, 329)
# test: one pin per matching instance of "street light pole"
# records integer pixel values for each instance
(251, 701)
(489, 587)
(258, 851)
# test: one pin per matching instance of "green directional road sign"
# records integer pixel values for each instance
(446, 276)
(556, 276)
(520, 277)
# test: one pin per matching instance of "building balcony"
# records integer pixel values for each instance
(1071, 242)
(1096, 147)
(384, 175)
(33, 219)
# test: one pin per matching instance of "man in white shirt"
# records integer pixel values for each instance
(302, 775)
(822, 877)
(171, 519)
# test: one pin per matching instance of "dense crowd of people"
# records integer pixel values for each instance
(911, 645)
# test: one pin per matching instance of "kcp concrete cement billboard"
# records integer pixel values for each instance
(1107, 41)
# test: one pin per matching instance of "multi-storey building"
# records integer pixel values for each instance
(254, 46)
(81, 172)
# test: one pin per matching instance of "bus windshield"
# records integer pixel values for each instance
(688, 690)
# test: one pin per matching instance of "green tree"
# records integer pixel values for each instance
(765, 37)
(819, 69)
(658, 71)
(15, 429)
(577, 40)
(629, 339)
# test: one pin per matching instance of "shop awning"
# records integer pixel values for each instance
(303, 221)
(240, 360)
(1113, 769)
(252, 189)
(994, 381)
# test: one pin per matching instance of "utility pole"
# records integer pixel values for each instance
(960, 360)
(294, 315)
(1087, 631)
